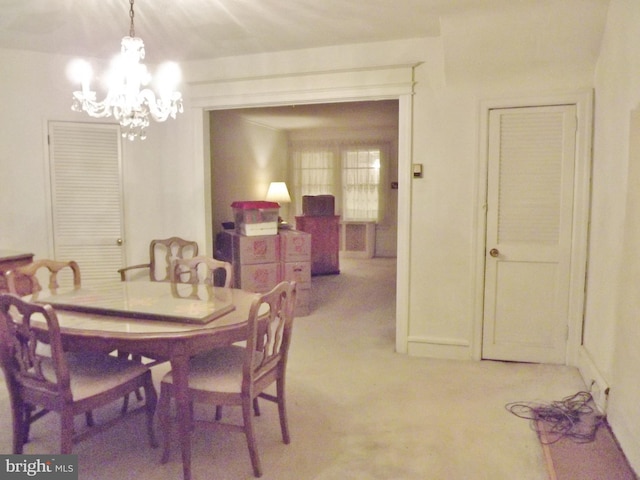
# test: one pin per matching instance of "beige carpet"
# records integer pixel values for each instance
(357, 410)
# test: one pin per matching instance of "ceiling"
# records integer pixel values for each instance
(480, 38)
(183, 30)
(353, 115)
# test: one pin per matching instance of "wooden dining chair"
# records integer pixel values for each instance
(29, 274)
(161, 253)
(63, 382)
(24, 281)
(237, 376)
(202, 269)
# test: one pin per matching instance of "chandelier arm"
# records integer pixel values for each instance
(161, 108)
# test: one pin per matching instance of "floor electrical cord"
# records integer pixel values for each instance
(574, 417)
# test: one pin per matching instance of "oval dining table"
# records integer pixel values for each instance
(158, 320)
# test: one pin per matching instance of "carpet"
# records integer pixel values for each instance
(600, 459)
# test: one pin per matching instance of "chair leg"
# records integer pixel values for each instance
(89, 418)
(150, 407)
(282, 412)
(20, 427)
(125, 404)
(27, 411)
(137, 358)
(247, 417)
(164, 406)
(256, 407)
(66, 432)
(125, 400)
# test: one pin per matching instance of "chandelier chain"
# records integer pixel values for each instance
(132, 31)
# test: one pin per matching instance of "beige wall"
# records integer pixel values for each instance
(612, 331)
(246, 158)
(166, 190)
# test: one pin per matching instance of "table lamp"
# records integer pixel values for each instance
(279, 193)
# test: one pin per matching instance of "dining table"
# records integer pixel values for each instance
(161, 321)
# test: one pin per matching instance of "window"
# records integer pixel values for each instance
(361, 184)
(355, 183)
(314, 174)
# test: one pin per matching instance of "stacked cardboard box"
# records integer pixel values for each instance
(261, 262)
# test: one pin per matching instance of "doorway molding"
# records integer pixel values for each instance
(383, 82)
(583, 100)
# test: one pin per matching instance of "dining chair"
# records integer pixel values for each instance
(29, 275)
(238, 376)
(62, 382)
(24, 281)
(202, 269)
(167, 249)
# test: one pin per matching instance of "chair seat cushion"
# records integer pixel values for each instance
(92, 373)
(219, 370)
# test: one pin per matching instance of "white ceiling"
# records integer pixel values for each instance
(479, 37)
(196, 29)
(352, 115)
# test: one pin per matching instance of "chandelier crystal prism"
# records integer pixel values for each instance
(129, 99)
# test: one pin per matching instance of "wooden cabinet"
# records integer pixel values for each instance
(9, 260)
(325, 242)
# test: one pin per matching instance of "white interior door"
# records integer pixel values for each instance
(528, 242)
(86, 198)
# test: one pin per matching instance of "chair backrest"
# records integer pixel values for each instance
(202, 269)
(162, 252)
(29, 273)
(30, 374)
(269, 335)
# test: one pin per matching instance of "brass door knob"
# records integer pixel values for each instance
(119, 241)
(494, 252)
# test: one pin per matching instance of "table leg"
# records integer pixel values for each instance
(180, 368)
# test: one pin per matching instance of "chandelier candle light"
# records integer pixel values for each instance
(128, 99)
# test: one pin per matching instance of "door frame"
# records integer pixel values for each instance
(387, 82)
(583, 100)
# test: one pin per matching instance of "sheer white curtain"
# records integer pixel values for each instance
(350, 171)
(314, 173)
(361, 183)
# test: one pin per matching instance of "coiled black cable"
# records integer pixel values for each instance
(574, 417)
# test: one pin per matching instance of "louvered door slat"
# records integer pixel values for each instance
(86, 189)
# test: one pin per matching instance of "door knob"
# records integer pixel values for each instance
(494, 252)
(119, 241)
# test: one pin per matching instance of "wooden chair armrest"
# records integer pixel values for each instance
(122, 271)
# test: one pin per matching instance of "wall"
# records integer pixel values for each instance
(612, 329)
(160, 192)
(166, 191)
(246, 158)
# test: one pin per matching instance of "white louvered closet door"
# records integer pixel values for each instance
(529, 232)
(86, 190)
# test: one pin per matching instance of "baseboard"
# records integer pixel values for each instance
(593, 378)
(449, 349)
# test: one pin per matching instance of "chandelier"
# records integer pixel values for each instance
(129, 100)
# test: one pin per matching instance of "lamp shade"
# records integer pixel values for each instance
(278, 192)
